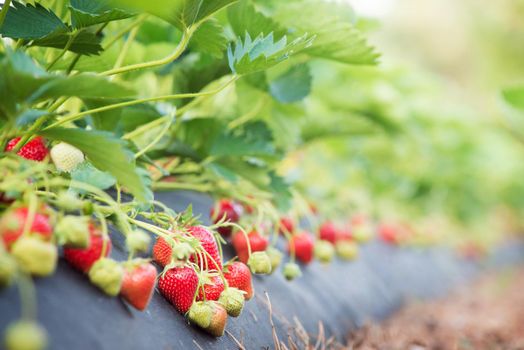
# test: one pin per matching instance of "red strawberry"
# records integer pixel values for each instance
(345, 234)
(12, 225)
(228, 209)
(286, 225)
(389, 233)
(179, 285)
(328, 232)
(83, 259)
(33, 150)
(162, 252)
(303, 245)
(138, 284)
(209, 244)
(212, 288)
(238, 276)
(256, 240)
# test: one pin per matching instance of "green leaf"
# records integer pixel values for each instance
(209, 38)
(85, 13)
(181, 13)
(251, 56)
(281, 194)
(84, 85)
(336, 37)
(292, 86)
(90, 175)
(30, 116)
(106, 153)
(514, 96)
(29, 22)
(244, 18)
(85, 42)
(252, 140)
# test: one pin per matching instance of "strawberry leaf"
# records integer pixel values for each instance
(85, 42)
(251, 56)
(29, 22)
(336, 37)
(106, 153)
(85, 13)
(292, 86)
(209, 38)
(243, 17)
(90, 175)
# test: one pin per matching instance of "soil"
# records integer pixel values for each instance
(488, 314)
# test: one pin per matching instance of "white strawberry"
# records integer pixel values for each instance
(66, 157)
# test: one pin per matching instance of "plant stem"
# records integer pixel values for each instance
(62, 53)
(124, 30)
(3, 12)
(28, 135)
(157, 138)
(181, 186)
(79, 115)
(178, 51)
(125, 48)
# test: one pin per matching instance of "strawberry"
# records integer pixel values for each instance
(228, 210)
(286, 225)
(328, 232)
(138, 241)
(35, 256)
(33, 150)
(83, 258)
(389, 233)
(210, 316)
(12, 225)
(257, 242)
(347, 250)
(259, 263)
(212, 288)
(138, 284)
(73, 231)
(275, 256)
(238, 276)
(344, 234)
(179, 285)
(209, 244)
(25, 335)
(291, 271)
(324, 251)
(162, 252)
(303, 246)
(232, 299)
(107, 274)
(66, 157)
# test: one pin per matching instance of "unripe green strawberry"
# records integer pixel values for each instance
(35, 256)
(66, 157)
(201, 311)
(362, 233)
(73, 231)
(68, 201)
(347, 250)
(259, 263)
(7, 270)
(275, 256)
(324, 251)
(291, 271)
(138, 241)
(232, 299)
(107, 274)
(200, 314)
(25, 335)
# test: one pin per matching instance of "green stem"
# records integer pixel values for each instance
(156, 139)
(29, 133)
(124, 30)
(79, 115)
(3, 12)
(178, 51)
(62, 53)
(125, 48)
(181, 186)
(26, 290)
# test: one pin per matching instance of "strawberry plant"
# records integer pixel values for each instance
(284, 120)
